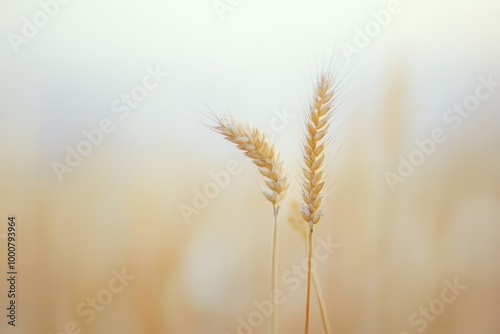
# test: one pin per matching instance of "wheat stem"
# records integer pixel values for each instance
(309, 269)
(297, 224)
(321, 303)
(274, 274)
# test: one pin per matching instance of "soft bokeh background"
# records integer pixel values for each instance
(120, 207)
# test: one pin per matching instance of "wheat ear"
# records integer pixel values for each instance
(295, 220)
(312, 185)
(255, 145)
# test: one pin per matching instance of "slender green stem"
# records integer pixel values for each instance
(274, 274)
(309, 270)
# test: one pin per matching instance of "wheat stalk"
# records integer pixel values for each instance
(297, 224)
(312, 185)
(255, 145)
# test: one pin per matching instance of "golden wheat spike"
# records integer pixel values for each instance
(316, 129)
(254, 145)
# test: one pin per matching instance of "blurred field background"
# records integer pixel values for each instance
(120, 207)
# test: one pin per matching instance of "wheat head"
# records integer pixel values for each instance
(314, 146)
(255, 145)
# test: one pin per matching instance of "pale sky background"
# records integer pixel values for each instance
(261, 57)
